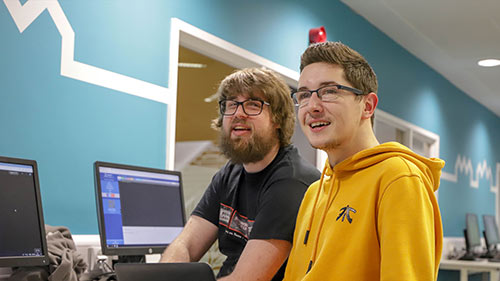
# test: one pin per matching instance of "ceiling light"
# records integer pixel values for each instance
(211, 98)
(192, 65)
(489, 62)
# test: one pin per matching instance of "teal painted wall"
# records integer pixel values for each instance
(66, 124)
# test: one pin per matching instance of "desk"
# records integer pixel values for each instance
(476, 266)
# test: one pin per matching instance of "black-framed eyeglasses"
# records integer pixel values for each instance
(327, 93)
(251, 107)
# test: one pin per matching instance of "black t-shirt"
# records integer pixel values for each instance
(260, 205)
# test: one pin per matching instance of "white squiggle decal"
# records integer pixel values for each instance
(24, 15)
(464, 166)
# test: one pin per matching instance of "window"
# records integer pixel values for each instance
(388, 127)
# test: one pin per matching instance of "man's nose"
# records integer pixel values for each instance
(315, 102)
(240, 112)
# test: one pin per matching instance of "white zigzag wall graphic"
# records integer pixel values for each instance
(463, 165)
(24, 15)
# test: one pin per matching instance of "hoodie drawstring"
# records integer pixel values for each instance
(322, 219)
(314, 205)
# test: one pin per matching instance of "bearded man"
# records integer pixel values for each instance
(252, 202)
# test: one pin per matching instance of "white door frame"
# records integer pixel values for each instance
(399, 123)
(411, 129)
(193, 38)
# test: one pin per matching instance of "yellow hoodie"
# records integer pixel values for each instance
(374, 216)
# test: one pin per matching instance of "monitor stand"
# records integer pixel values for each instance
(490, 254)
(5, 273)
(493, 254)
(103, 271)
(469, 255)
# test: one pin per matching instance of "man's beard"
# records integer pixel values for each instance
(243, 150)
(331, 145)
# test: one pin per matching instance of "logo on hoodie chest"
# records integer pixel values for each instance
(346, 213)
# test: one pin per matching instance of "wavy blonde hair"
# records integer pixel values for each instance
(262, 82)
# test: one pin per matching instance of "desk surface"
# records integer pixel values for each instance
(482, 264)
(465, 267)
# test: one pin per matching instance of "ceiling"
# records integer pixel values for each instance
(451, 36)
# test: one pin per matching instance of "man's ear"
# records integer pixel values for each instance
(370, 103)
(276, 126)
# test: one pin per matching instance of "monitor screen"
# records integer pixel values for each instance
(472, 226)
(140, 210)
(490, 230)
(22, 230)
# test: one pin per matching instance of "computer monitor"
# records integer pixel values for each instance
(490, 232)
(140, 210)
(22, 230)
(472, 236)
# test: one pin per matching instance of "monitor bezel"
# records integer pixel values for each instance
(468, 227)
(485, 225)
(20, 261)
(128, 250)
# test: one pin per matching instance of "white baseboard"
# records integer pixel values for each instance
(454, 245)
(89, 246)
(85, 242)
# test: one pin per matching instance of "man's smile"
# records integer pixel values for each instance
(319, 124)
(240, 129)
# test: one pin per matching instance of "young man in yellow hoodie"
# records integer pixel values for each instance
(373, 214)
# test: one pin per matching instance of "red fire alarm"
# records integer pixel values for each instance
(317, 35)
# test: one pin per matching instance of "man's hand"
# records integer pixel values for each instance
(195, 239)
(260, 260)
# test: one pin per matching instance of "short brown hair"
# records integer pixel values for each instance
(356, 69)
(265, 82)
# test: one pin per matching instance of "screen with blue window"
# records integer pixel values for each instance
(141, 210)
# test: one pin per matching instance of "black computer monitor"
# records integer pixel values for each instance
(140, 210)
(22, 230)
(472, 236)
(490, 232)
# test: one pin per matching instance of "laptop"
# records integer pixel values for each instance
(191, 271)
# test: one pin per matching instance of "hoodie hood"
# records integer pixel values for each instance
(430, 167)
(354, 208)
